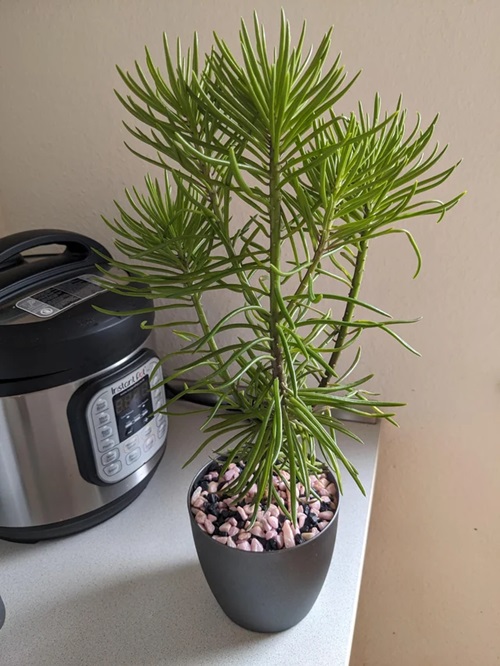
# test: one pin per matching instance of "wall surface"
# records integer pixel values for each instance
(432, 578)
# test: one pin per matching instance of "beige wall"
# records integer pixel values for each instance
(430, 594)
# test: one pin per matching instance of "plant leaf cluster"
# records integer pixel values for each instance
(319, 186)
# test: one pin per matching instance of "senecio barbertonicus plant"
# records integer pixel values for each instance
(270, 193)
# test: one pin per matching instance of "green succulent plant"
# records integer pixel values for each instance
(262, 137)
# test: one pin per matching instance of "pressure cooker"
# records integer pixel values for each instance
(81, 396)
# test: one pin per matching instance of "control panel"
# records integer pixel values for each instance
(124, 430)
(123, 427)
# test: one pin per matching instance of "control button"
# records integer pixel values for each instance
(162, 431)
(101, 404)
(105, 432)
(46, 311)
(145, 413)
(106, 444)
(130, 444)
(112, 469)
(149, 443)
(148, 431)
(103, 418)
(129, 429)
(160, 420)
(133, 456)
(157, 396)
(110, 456)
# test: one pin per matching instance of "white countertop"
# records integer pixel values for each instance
(130, 592)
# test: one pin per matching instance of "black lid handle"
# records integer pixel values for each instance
(78, 247)
(16, 274)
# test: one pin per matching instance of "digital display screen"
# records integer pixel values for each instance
(133, 408)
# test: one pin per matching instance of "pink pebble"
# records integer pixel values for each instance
(301, 519)
(257, 531)
(273, 522)
(230, 475)
(230, 543)
(232, 521)
(202, 526)
(326, 499)
(272, 534)
(220, 539)
(248, 509)
(274, 511)
(253, 489)
(326, 515)
(210, 527)
(279, 540)
(244, 545)
(212, 487)
(199, 502)
(243, 536)
(225, 527)
(288, 535)
(256, 546)
(315, 506)
(241, 512)
(233, 531)
(331, 490)
(211, 518)
(307, 536)
(323, 524)
(200, 517)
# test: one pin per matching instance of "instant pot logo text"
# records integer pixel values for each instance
(130, 381)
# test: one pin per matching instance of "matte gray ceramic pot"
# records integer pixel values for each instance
(2, 613)
(269, 591)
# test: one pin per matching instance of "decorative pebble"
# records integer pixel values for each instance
(228, 519)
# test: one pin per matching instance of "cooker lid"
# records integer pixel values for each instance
(48, 324)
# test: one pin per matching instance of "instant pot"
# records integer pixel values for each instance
(81, 433)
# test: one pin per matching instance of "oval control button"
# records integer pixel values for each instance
(105, 432)
(103, 418)
(112, 469)
(101, 404)
(133, 456)
(110, 456)
(106, 444)
(131, 444)
(148, 444)
(162, 430)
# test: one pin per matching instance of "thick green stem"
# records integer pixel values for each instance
(348, 312)
(275, 256)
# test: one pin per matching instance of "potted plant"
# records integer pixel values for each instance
(273, 196)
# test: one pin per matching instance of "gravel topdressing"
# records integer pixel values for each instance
(228, 521)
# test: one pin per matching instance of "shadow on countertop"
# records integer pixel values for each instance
(167, 617)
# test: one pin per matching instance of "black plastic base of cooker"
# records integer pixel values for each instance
(75, 525)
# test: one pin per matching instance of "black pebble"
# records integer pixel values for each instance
(212, 497)
(203, 484)
(272, 544)
(281, 518)
(212, 509)
(307, 509)
(299, 539)
(226, 514)
(325, 506)
(311, 521)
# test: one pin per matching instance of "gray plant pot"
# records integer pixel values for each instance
(270, 591)
(2, 613)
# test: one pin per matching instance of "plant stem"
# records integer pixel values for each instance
(275, 255)
(348, 312)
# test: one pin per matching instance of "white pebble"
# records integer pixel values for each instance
(256, 546)
(288, 535)
(212, 487)
(195, 495)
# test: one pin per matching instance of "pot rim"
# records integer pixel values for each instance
(265, 552)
